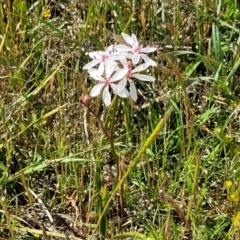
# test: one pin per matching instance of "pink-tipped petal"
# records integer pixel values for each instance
(143, 77)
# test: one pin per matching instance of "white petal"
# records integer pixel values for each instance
(92, 54)
(135, 58)
(114, 88)
(123, 60)
(95, 74)
(122, 84)
(101, 56)
(91, 64)
(116, 68)
(140, 68)
(143, 77)
(128, 55)
(123, 48)
(110, 50)
(134, 38)
(96, 90)
(109, 67)
(101, 68)
(148, 60)
(106, 96)
(153, 63)
(133, 91)
(124, 93)
(120, 74)
(148, 50)
(128, 39)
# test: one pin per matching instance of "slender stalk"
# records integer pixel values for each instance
(115, 156)
(132, 165)
(100, 123)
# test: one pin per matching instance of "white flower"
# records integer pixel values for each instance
(106, 80)
(133, 73)
(100, 57)
(112, 69)
(136, 51)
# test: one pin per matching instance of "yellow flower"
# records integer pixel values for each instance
(234, 197)
(236, 219)
(46, 13)
(236, 150)
(217, 130)
(228, 183)
(233, 104)
(228, 138)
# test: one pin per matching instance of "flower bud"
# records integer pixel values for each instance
(85, 100)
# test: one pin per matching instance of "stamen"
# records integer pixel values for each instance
(138, 49)
(106, 82)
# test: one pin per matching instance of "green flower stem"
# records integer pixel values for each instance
(132, 165)
(100, 123)
(115, 156)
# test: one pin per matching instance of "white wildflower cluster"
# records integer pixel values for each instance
(117, 67)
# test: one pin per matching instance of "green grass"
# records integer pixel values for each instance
(176, 149)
